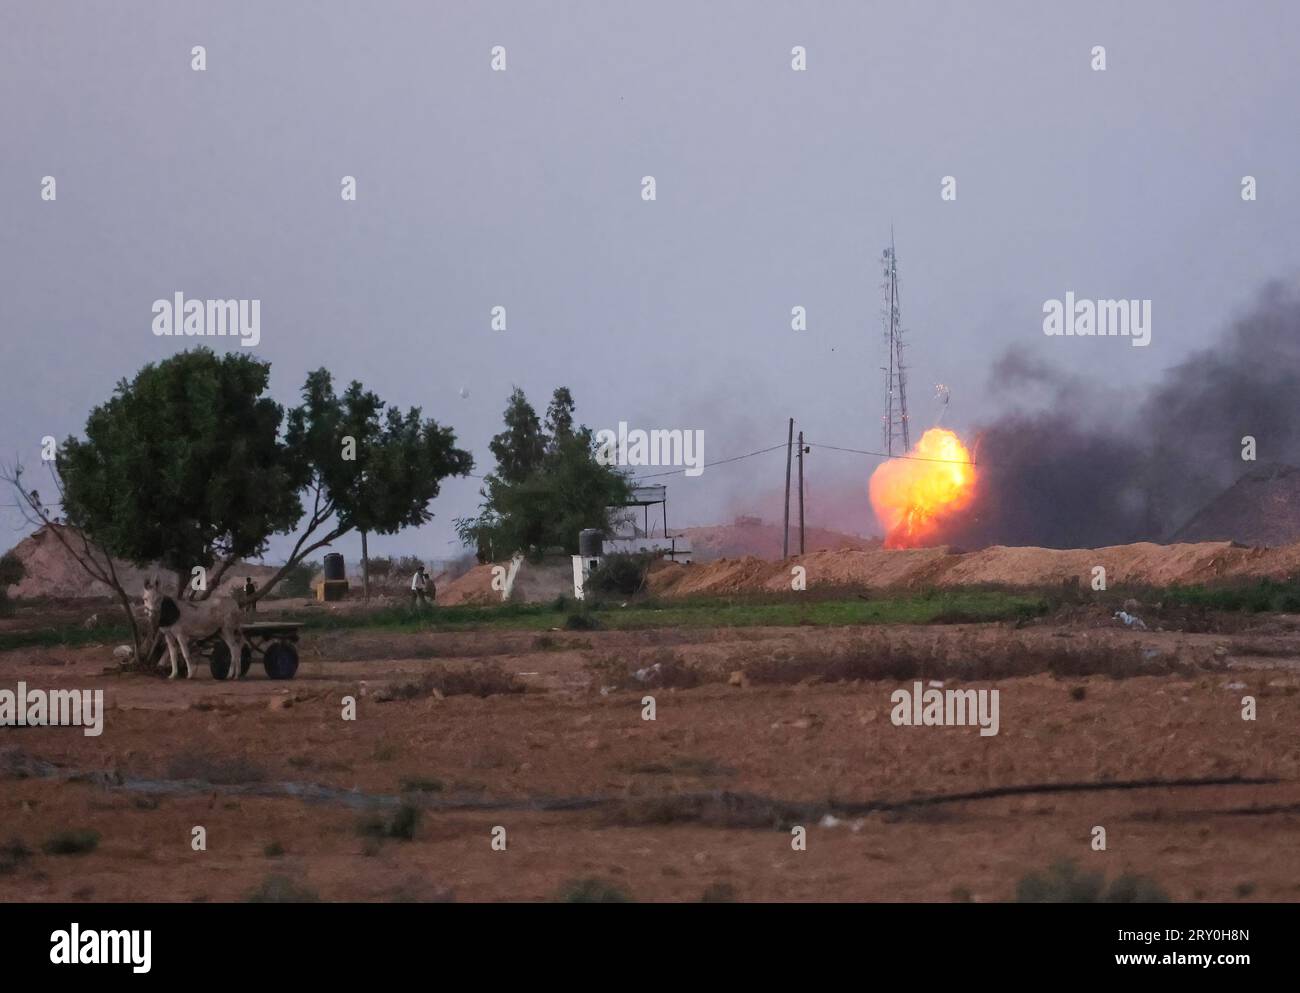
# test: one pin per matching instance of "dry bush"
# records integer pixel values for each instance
(593, 891)
(400, 824)
(418, 889)
(719, 892)
(282, 889)
(12, 853)
(1065, 882)
(75, 842)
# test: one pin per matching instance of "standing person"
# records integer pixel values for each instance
(419, 587)
(250, 589)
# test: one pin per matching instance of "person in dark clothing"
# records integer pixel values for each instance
(250, 590)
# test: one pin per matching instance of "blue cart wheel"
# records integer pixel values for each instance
(281, 660)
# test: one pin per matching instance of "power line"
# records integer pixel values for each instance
(708, 465)
(780, 445)
(883, 455)
(673, 472)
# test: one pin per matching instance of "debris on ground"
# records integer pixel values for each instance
(1130, 620)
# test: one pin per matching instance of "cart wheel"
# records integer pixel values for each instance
(219, 664)
(281, 660)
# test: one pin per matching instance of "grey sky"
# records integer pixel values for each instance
(775, 188)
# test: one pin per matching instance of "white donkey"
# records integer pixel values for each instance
(182, 621)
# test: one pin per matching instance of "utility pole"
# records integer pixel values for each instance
(801, 452)
(789, 444)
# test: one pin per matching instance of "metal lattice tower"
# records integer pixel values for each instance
(894, 431)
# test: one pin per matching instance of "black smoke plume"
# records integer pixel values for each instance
(1053, 477)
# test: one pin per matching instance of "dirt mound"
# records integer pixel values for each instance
(875, 568)
(879, 568)
(751, 537)
(529, 582)
(52, 571)
(1261, 508)
(1143, 562)
(474, 587)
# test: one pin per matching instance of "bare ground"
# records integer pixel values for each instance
(701, 799)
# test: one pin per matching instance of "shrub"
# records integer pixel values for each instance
(580, 620)
(621, 574)
(71, 843)
(407, 565)
(281, 889)
(1065, 883)
(380, 567)
(11, 854)
(719, 893)
(297, 581)
(593, 891)
(401, 824)
(11, 573)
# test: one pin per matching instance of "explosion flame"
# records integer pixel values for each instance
(913, 496)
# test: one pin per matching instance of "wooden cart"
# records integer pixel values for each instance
(273, 640)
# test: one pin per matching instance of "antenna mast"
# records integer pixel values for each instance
(894, 423)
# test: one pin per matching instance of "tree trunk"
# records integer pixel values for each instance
(365, 569)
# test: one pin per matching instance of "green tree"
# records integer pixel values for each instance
(186, 465)
(368, 468)
(12, 572)
(565, 490)
(520, 448)
(559, 417)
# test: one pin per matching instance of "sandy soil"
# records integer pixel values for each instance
(236, 757)
(1142, 563)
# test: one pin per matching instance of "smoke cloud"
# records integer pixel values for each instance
(1052, 477)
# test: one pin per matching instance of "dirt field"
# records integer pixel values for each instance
(697, 803)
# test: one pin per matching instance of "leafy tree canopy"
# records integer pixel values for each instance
(547, 487)
(186, 465)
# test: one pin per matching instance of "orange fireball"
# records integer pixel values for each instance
(912, 496)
